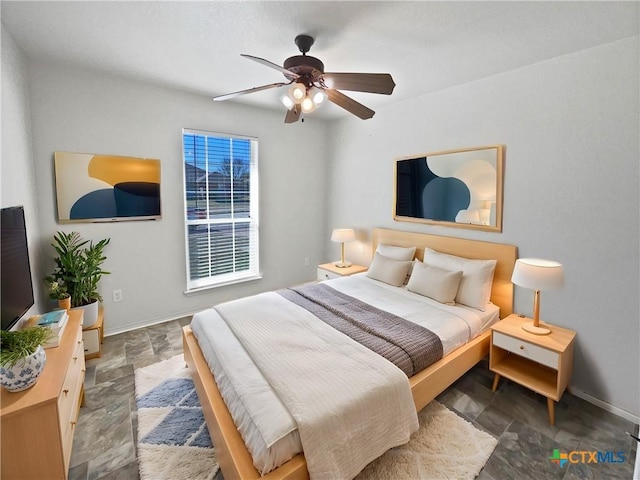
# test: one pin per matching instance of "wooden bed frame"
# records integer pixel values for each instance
(232, 454)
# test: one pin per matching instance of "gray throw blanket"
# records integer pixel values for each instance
(407, 345)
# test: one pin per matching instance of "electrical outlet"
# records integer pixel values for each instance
(306, 261)
(117, 295)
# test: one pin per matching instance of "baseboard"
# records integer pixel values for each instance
(605, 406)
(149, 323)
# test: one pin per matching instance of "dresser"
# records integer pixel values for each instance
(37, 424)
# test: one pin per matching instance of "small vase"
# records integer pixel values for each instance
(25, 373)
(65, 303)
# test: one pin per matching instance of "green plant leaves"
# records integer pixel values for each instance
(78, 266)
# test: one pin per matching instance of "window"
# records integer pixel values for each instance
(221, 208)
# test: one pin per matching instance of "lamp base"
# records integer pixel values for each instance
(342, 264)
(529, 327)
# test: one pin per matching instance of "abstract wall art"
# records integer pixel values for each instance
(456, 188)
(106, 188)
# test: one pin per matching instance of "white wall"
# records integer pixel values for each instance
(17, 174)
(81, 111)
(570, 126)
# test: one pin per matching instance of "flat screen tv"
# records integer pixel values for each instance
(106, 188)
(17, 285)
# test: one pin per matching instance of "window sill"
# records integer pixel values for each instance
(235, 281)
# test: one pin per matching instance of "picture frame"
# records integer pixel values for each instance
(106, 188)
(460, 188)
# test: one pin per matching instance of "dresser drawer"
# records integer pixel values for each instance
(71, 386)
(326, 274)
(527, 350)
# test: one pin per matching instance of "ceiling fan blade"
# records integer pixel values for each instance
(360, 82)
(349, 104)
(293, 115)
(288, 73)
(249, 90)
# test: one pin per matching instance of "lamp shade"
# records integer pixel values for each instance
(538, 274)
(343, 235)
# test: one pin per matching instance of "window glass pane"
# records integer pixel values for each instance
(241, 178)
(195, 168)
(242, 246)
(220, 184)
(198, 251)
(219, 151)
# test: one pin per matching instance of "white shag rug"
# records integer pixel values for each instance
(173, 440)
(174, 443)
(445, 447)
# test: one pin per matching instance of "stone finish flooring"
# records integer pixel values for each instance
(105, 439)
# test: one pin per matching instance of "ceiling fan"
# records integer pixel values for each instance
(310, 86)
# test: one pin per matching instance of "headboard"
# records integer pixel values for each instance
(502, 289)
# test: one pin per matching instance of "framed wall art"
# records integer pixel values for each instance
(456, 188)
(106, 188)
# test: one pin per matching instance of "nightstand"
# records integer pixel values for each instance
(542, 363)
(329, 270)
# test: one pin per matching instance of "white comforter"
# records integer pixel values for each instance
(268, 429)
(350, 404)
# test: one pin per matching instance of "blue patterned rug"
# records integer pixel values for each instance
(173, 440)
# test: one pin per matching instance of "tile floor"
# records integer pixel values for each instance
(104, 443)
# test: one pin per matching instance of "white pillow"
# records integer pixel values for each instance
(388, 270)
(397, 253)
(477, 276)
(433, 282)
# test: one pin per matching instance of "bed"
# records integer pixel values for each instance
(233, 455)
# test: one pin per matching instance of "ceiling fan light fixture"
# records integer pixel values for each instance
(297, 92)
(317, 95)
(308, 105)
(287, 102)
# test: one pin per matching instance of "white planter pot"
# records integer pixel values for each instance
(25, 373)
(90, 314)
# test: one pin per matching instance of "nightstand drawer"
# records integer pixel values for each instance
(326, 274)
(527, 350)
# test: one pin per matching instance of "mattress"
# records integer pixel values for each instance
(267, 428)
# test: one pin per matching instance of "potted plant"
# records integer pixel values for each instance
(22, 357)
(59, 292)
(78, 270)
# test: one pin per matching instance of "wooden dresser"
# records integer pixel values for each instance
(37, 424)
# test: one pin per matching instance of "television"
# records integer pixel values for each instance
(15, 271)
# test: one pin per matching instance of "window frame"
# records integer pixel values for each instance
(252, 220)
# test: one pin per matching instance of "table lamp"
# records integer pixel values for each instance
(343, 235)
(537, 274)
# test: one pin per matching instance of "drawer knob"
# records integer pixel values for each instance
(75, 359)
(65, 391)
(79, 342)
(73, 424)
(521, 347)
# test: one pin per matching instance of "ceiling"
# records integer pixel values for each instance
(426, 46)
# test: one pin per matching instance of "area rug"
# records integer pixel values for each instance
(174, 443)
(445, 446)
(173, 440)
